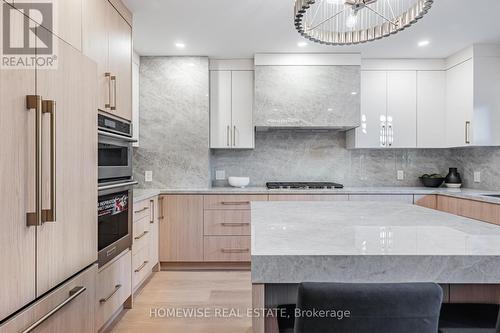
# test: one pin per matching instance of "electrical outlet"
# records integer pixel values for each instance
(401, 175)
(148, 175)
(477, 177)
(220, 174)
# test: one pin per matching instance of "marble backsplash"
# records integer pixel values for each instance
(174, 106)
(322, 156)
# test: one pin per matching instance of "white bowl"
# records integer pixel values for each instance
(453, 185)
(239, 181)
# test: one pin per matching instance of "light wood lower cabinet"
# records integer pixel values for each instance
(227, 248)
(427, 201)
(478, 210)
(69, 308)
(181, 228)
(114, 286)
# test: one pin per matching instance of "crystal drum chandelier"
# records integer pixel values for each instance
(346, 22)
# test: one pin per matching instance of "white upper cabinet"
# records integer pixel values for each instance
(231, 107)
(220, 109)
(431, 109)
(242, 108)
(388, 111)
(373, 112)
(401, 118)
(459, 104)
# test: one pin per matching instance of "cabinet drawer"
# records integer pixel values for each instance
(227, 248)
(227, 222)
(141, 266)
(141, 234)
(231, 201)
(69, 308)
(114, 286)
(141, 210)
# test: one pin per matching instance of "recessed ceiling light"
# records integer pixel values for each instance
(354, 92)
(423, 43)
(302, 44)
(180, 45)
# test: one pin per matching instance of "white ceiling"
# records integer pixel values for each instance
(240, 28)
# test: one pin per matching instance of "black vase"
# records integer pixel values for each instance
(453, 177)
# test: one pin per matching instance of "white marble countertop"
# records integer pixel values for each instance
(143, 194)
(370, 242)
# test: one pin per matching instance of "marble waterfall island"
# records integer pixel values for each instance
(372, 242)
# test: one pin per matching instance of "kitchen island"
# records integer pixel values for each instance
(368, 242)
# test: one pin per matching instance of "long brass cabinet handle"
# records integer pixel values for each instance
(113, 78)
(108, 104)
(74, 293)
(138, 269)
(161, 217)
(141, 235)
(228, 131)
(235, 250)
(104, 300)
(34, 102)
(235, 203)
(141, 210)
(234, 136)
(231, 224)
(49, 107)
(152, 211)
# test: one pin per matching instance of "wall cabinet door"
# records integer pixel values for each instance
(181, 228)
(108, 41)
(96, 47)
(70, 242)
(459, 104)
(220, 109)
(242, 109)
(120, 64)
(431, 109)
(402, 109)
(17, 241)
(371, 133)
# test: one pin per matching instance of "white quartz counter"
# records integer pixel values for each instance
(143, 194)
(370, 242)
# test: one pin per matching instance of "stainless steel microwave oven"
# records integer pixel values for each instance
(115, 149)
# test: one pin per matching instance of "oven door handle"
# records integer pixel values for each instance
(116, 136)
(112, 186)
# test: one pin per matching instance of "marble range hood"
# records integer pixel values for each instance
(307, 91)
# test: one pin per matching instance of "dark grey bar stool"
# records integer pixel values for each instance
(368, 308)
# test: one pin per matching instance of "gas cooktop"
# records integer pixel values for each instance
(302, 185)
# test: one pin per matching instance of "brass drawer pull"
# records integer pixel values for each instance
(141, 210)
(152, 214)
(104, 300)
(141, 235)
(239, 203)
(73, 293)
(226, 224)
(138, 269)
(235, 250)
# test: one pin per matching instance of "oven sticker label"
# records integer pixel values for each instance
(113, 206)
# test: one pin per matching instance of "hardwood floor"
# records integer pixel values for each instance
(190, 290)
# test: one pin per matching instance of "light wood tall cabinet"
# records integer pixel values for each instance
(48, 175)
(231, 108)
(107, 39)
(17, 241)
